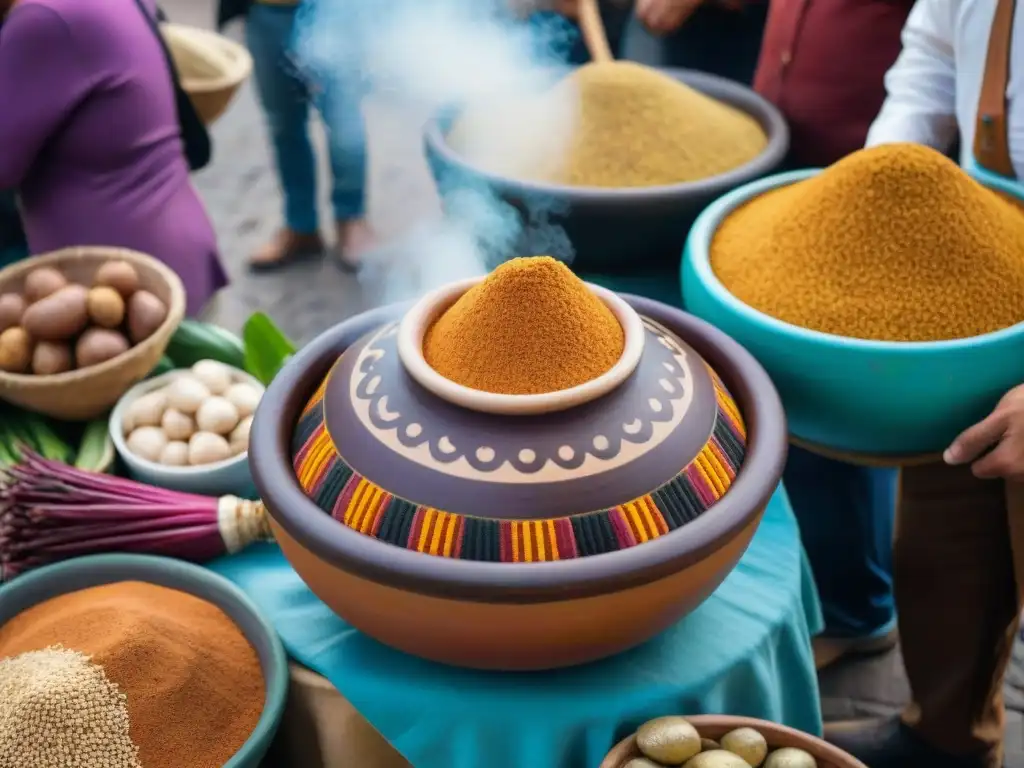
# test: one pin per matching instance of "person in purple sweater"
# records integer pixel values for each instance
(90, 137)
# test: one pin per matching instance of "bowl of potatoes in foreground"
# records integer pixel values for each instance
(80, 326)
(723, 741)
(188, 430)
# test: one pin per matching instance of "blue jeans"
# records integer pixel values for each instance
(846, 515)
(287, 97)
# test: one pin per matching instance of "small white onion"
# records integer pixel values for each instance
(145, 411)
(215, 375)
(187, 393)
(177, 425)
(239, 438)
(245, 397)
(217, 415)
(175, 454)
(147, 443)
(207, 448)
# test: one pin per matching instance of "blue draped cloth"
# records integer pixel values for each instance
(745, 651)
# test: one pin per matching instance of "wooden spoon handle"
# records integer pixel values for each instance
(594, 34)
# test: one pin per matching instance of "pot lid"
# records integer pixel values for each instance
(388, 458)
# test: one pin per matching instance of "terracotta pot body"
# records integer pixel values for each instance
(526, 636)
(778, 736)
(536, 609)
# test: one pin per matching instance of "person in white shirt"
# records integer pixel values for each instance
(935, 86)
(959, 544)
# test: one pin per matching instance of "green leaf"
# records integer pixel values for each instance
(267, 349)
(96, 449)
(46, 441)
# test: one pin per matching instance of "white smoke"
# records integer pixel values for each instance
(436, 55)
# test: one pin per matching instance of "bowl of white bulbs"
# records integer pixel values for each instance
(188, 430)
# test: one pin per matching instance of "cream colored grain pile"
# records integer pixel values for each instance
(58, 709)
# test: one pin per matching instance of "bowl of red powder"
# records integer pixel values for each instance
(203, 673)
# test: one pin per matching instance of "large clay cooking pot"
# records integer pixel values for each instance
(517, 532)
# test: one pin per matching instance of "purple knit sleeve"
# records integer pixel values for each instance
(42, 80)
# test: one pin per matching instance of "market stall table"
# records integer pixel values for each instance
(745, 651)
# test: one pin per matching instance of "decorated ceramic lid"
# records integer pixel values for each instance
(642, 440)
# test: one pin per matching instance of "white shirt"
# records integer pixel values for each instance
(934, 86)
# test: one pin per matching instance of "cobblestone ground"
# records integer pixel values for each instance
(241, 192)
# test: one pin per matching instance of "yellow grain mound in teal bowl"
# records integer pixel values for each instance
(895, 243)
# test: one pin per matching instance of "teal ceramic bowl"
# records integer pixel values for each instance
(999, 183)
(849, 395)
(52, 581)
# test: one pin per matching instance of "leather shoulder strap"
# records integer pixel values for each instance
(991, 134)
(194, 136)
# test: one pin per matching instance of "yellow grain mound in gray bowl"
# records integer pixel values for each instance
(611, 125)
(58, 709)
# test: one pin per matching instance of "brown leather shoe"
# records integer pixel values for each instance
(888, 743)
(284, 248)
(829, 650)
(355, 238)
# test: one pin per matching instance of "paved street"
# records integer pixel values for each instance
(241, 192)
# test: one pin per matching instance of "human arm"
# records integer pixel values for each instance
(665, 16)
(42, 80)
(920, 105)
(662, 17)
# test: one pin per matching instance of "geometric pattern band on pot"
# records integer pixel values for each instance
(369, 509)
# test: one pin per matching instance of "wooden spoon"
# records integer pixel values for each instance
(594, 35)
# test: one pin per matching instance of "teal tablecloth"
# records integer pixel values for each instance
(745, 651)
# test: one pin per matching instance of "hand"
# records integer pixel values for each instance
(665, 16)
(568, 8)
(1003, 432)
(523, 8)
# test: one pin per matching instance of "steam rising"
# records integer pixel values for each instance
(435, 56)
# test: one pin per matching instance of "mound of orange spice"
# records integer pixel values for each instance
(193, 683)
(894, 243)
(530, 327)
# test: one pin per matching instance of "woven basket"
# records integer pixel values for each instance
(91, 392)
(212, 67)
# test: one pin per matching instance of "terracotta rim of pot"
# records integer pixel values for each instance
(346, 549)
(417, 321)
(734, 94)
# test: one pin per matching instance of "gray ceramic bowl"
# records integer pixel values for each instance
(230, 476)
(81, 573)
(619, 230)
